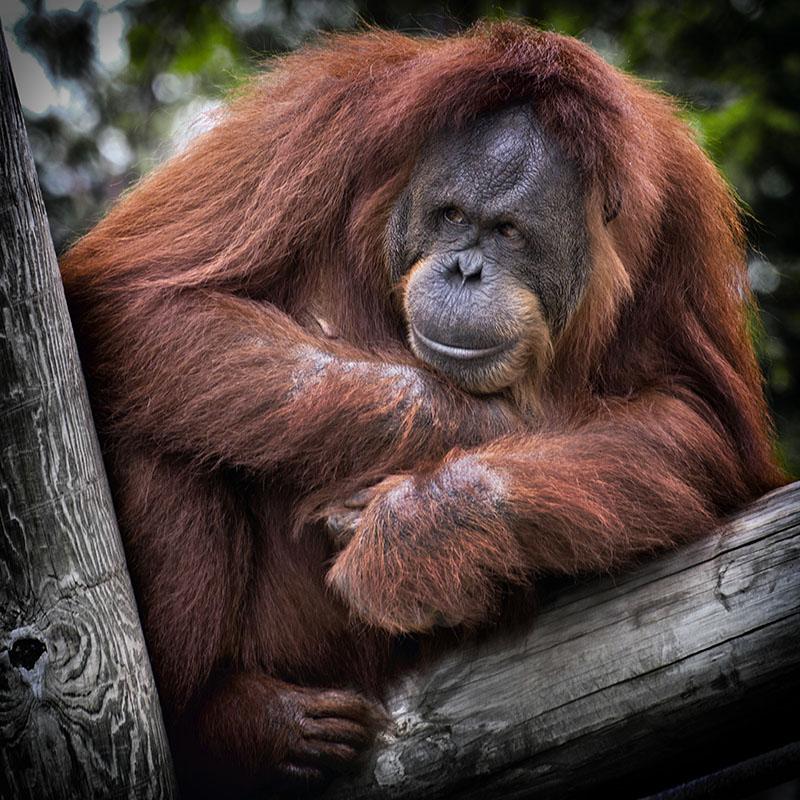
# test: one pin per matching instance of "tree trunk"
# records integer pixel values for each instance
(620, 687)
(79, 714)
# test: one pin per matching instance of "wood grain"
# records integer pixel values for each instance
(79, 714)
(623, 685)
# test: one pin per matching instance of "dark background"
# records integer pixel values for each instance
(110, 89)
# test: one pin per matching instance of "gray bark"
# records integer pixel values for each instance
(620, 686)
(79, 714)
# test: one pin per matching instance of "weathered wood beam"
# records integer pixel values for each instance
(79, 715)
(627, 684)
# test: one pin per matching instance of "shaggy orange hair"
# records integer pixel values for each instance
(227, 416)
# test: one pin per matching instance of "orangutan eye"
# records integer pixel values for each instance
(455, 216)
(507, 230)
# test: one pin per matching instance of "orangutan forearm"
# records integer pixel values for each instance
(641, 477)
(246, 385)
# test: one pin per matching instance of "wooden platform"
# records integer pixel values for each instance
(683, 666)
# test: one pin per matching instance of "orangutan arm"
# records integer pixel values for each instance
(229, 380)
(642, 475)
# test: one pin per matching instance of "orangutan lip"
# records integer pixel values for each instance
(462, 353)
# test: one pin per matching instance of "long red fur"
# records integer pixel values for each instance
(227, 420)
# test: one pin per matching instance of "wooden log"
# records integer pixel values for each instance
(620, 686)
(79, 714)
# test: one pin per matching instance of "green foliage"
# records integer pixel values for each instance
(734, 66)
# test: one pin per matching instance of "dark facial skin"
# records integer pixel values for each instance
(489, 240)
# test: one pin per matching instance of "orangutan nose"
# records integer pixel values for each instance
(468, 265)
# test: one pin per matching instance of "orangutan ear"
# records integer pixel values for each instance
(396, 237)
